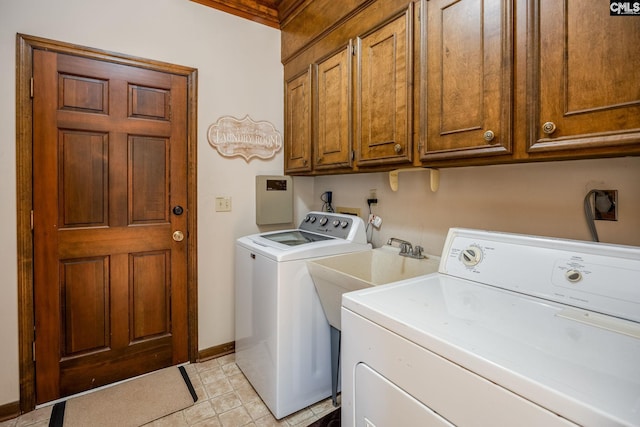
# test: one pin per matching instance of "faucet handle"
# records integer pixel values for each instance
(405, 248)
(417, 252)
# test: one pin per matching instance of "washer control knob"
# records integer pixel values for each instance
(336, 222)
(323, 220)
(313, 219)
(307, 218)
(344, 224)
(471, 256)
(573, 276)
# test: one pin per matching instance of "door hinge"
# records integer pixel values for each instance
(31, 87)
(353, 155)
(31, 220)
(354, 49)
(33, 349)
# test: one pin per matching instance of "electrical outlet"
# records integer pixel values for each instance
(223, 204)
(373, 198)
(605, 205)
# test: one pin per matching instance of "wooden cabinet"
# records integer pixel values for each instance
(584, 80)
(384, 85)
(466, 83)
(333, 147)
(355, 102)
(297, 123)
(497, 81)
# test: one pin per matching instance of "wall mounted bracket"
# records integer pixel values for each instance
(434, 183)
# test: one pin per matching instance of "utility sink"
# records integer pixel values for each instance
(338, 274)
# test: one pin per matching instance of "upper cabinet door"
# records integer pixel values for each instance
(467, 79)
(585, 78)
(333, 112)
(297, 134)
(384, 77)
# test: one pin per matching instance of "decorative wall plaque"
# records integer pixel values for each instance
(246, 138)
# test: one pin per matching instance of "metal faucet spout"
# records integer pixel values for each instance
(405, 247)
(400, 242)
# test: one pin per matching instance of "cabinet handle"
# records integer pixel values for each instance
(549, 128)
(489, 136)
(397, 148)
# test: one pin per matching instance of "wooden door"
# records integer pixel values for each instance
(467, 80)
(298, 127)
(384, 82)
(584, 74)
(333, 113)
(109, 192)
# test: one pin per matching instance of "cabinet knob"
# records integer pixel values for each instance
(489, 136)
(549, 128)
(397, 148)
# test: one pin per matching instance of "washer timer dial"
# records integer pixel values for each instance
(471, 256)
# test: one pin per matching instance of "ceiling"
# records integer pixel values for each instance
(267, 12)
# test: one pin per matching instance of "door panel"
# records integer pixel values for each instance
(333, 111)
(383, 93)
(584, 71)
(297, 135)
(467, 79)
(110, 283)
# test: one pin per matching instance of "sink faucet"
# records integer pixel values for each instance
(406, 249)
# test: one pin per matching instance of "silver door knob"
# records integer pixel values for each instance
(178, 236)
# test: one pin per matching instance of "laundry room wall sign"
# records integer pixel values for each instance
(244, 137)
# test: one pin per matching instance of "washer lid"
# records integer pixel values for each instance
(588, 374)
(295, 237)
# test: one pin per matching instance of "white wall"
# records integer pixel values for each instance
(239, 73)
(535, 198)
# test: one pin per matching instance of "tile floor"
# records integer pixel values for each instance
(225, 399)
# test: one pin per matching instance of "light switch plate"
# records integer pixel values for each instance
(223, 204)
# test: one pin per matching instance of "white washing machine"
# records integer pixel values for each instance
(512, 330)
(282, 340)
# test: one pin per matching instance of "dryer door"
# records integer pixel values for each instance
(379, 402)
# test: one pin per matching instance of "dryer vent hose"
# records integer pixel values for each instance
(588, 213)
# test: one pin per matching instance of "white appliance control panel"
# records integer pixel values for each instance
(582, 274)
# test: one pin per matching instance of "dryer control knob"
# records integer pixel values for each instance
(344, 224)
(313, 219)
(471, 256)
(323, 220)
(573, 276)
(336, 222)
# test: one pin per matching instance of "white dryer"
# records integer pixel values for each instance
(512, 330)
(282, 340)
